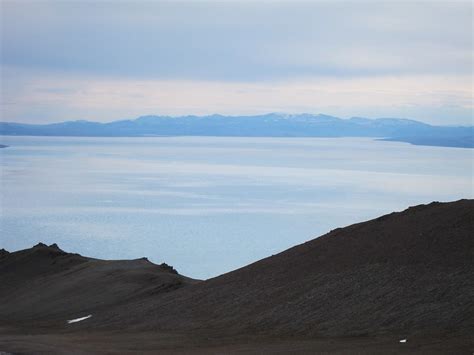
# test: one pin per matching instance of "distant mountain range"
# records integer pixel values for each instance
(269, 125)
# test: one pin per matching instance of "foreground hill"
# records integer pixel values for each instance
(269, 125)
(46, 283)
(406, 275)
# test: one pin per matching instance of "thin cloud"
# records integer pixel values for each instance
(58, 98)
(242, 57)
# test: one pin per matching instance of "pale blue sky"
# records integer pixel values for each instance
(106, 60)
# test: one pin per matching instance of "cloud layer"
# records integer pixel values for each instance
(121, 59)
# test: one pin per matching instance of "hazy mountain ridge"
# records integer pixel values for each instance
(269, 125)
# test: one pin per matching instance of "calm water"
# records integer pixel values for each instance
(210, 205)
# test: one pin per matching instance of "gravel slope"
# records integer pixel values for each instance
(404, 275)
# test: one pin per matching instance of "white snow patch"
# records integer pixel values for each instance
(78, 319)
(403, 341)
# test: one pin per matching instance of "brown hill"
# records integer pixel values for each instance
(46, 284)
(404, 275)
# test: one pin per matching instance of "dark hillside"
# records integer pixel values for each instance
(404, 275)
(407, 273)
(46, 284)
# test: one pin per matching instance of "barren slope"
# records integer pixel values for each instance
(45, 285)
(404, 275)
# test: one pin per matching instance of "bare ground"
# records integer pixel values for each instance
(359, 289)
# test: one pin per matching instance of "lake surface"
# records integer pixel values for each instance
(209, 205)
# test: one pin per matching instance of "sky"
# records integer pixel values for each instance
(110, 60)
